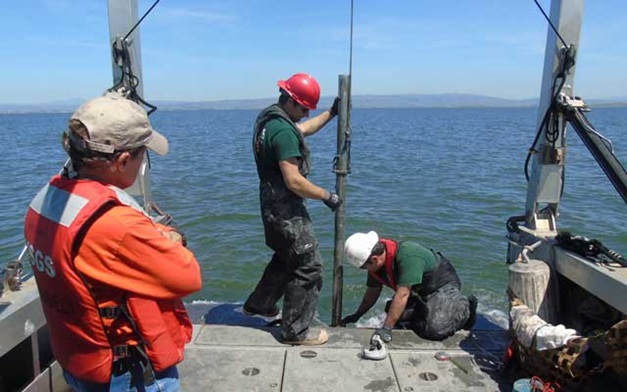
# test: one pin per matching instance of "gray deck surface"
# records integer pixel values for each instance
(231, 357)
(233, 352)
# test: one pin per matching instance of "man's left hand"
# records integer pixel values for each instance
(385, 333)
(335, 107)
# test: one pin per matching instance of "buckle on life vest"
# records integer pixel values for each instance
(127, 357)
(110, 312)
(122, 351)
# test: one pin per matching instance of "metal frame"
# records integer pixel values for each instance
(545, 183)
(536, 233)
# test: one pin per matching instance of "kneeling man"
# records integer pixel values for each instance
(427, 288)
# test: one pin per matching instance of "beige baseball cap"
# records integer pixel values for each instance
(115, 123)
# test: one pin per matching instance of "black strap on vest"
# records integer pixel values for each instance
(125, 354)
(128, 357)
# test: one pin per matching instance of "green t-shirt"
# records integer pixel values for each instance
(279, 142)
(411, 262)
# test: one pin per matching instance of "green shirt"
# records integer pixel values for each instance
(411, 262)
(279, 142)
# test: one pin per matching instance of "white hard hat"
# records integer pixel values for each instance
(358, 247)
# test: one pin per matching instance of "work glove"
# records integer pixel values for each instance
(352, 318)
(335, 107)
(332, 200)
(385, 333)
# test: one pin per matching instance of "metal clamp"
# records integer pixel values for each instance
(377, 350)
(572, 102)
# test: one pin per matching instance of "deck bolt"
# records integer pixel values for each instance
(250, 371)
(308, 354)
(428, 376)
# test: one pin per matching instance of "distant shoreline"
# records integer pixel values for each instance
(408, 101)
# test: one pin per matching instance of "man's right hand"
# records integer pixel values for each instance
(385, 333)
(352, 318)
(332, 201)
(174, 236)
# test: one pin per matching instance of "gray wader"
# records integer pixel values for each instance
(438, 309)
(441, 309)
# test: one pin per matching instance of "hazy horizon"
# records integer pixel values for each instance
(368, 101)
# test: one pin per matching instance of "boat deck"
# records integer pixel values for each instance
(242, 354)
(233, 352)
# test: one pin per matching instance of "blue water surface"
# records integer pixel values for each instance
(448, 178)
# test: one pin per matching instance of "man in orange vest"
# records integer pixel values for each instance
(110, 279)
(425, 283)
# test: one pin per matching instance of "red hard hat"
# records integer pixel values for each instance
(303, 89)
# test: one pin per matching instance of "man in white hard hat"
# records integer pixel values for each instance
(425, 283)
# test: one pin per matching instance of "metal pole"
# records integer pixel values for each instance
(341, 170)
(547, 165)
(123, 15)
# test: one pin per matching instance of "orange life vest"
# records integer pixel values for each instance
(390, 254)
(82, 340)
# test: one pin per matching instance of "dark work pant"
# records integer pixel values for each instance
(441, 313)
(440, 309)
(298, 277)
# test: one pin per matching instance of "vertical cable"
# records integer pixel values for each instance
(350, 59)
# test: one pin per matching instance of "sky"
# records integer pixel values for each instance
(207, 50)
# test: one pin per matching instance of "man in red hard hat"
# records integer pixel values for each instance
(283, 161)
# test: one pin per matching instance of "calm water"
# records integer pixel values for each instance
(448, 178)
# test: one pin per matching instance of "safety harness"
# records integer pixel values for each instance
(125, 354)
